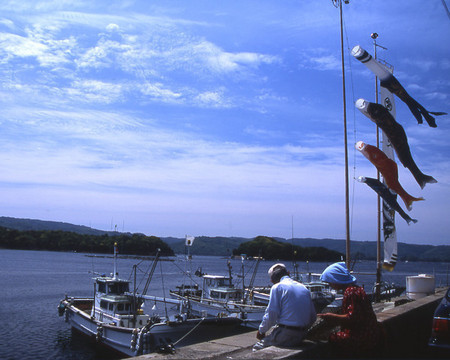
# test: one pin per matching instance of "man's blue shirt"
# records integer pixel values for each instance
(290, 304)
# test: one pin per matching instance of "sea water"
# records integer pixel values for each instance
(33, 283)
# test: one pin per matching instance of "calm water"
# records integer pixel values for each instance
(33, 283)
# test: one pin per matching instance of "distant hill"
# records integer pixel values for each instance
(205, 245)
(224, 246)
(361, 250)
(271, 249)
(366, 250)
(39, 225)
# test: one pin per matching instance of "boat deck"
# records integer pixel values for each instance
(407, 325)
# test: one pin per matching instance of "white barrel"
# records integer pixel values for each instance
(420, 286)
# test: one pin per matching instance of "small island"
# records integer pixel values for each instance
(271, 249)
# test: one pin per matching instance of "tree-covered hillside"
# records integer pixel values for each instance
(135, 244)
(271, 249)
(33, 224)
(223, 246)
(204, 245)
(367, 250)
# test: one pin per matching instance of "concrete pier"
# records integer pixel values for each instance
(407, 326)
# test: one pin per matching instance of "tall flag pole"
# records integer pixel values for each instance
(374, 36)
(347, 193)
(338, 4)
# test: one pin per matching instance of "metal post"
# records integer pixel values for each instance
(378, 279)
(347, 202)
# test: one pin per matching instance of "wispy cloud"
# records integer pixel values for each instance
(170, 111)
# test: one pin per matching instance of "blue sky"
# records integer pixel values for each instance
(216, 118)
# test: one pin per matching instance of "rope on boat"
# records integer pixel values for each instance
(189, 332)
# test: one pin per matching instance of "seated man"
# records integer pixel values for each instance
(290, 311)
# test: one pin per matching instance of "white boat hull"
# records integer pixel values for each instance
(156, 337)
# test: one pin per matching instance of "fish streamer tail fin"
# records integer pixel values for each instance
(437, 113)
(409, 220)
(423, 179)
(408, 202)
(418, 111)
(426, 114)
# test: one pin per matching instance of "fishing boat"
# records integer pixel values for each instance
(114, 317)
(219, 297)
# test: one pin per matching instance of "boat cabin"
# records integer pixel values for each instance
(114, 305)
(218, 287)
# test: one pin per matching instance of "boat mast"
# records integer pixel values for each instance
(243, 275)
(294, 253)
(115, 261)
(347, 202)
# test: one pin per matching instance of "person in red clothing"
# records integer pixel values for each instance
(360, 332)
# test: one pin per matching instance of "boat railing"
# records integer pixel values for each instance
(219, 302)
(122, 320)
(167, 300)
(81, 304)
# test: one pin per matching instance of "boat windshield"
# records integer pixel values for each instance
(119, 308)
(219, 282)
(118, 288)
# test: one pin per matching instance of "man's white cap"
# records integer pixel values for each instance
(275, 267)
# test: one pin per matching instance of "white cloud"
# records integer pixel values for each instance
(95, 91)
(112, 27)
(220, 61)
(327, 62)
(156, 90)
(214, 99)
(422, 64)
(8, 23)
(94, 57)
(171, 112)
(15, 45)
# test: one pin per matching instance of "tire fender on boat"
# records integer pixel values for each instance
(99, 334)
(61, 309)
(133, 340)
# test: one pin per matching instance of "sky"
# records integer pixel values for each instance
(215, 118)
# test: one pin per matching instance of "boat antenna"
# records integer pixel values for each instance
(115, 262)
(243, 274)
(294, 252)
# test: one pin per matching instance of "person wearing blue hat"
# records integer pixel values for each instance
(360, 332)
(337, 274)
